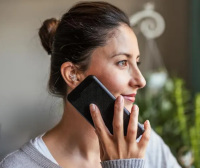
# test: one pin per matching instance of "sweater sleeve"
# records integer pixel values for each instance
(124, 163)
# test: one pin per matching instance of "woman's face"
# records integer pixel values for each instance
(116, 65)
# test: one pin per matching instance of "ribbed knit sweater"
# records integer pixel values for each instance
(158, 155)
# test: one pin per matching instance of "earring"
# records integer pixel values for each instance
(73, 77)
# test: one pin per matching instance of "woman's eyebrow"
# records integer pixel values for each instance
(121, 53)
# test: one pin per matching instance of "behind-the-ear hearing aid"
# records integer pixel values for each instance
(73, 77)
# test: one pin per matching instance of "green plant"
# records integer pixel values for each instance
(170, 110)
(195, 133)
(180, 103)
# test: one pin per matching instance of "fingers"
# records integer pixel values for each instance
(117, 146)
(101, 130)
(118, 129)
(146, 135)
(100, 127)
(133, 124)
(101, 148)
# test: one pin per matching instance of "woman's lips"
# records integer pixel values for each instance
(130, 97)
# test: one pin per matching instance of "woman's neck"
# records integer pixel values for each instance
(73, 137)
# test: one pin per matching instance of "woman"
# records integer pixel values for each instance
(93, 38)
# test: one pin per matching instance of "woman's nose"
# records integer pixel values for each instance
(138, 79)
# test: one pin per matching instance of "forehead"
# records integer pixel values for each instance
(123, 40)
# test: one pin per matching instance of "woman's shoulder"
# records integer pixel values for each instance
(156, 144)
(155, 137)
(14, 159)
(158, 153)
(26, 156)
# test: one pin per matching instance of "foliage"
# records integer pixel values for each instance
(195, 133)
(169, 108)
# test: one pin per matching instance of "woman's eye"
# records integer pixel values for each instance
(123, 63)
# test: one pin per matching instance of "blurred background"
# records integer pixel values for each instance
(169, 36)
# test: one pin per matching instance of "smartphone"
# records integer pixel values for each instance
(91, 90)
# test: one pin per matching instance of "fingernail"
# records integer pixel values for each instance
(135, 107)
(120, 99)
(92, 107)
(147, 122)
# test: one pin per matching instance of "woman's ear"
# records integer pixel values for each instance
(69, 74)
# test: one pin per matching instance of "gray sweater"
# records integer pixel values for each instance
(158, 155)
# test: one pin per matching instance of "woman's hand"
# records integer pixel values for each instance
(118, 146)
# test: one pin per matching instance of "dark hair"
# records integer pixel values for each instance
(86, 26)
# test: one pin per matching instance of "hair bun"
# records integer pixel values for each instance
(47, 32)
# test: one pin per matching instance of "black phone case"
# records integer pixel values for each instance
(91, 90)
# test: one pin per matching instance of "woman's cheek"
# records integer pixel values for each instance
(115, 87)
